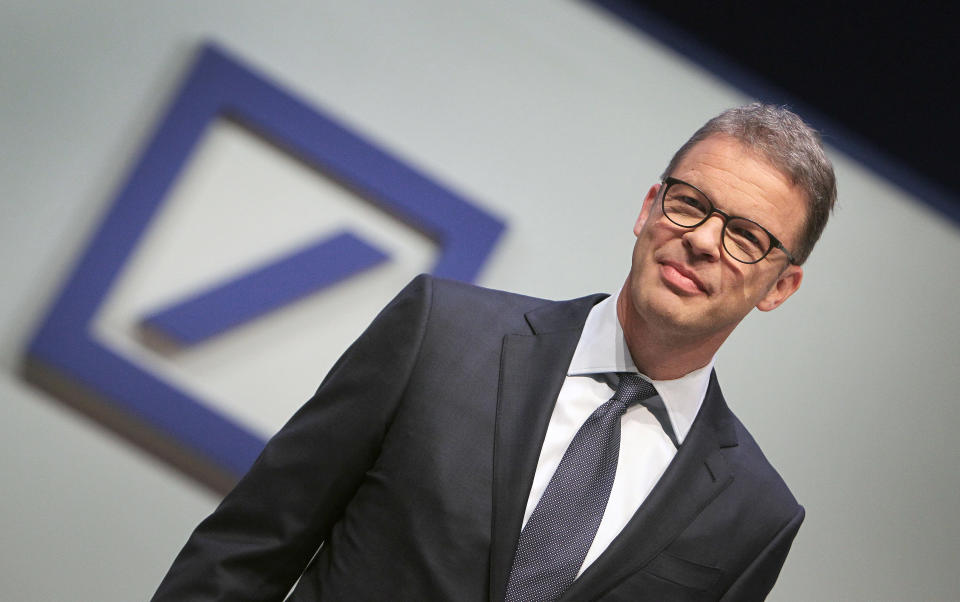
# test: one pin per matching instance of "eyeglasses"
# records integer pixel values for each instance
(744, 240)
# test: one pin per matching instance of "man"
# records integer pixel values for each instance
(463, 447)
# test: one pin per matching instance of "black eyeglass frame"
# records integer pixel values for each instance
(774, 241)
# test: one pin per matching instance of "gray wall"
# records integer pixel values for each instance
(552, 116)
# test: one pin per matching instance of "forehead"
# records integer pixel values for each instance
(741, 182)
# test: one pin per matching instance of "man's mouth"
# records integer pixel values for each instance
(681, 278)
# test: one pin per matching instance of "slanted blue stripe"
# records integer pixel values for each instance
(263, 289)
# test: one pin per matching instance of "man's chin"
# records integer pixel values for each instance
(675, 312)
(671, 312)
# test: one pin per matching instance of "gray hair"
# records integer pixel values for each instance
(783, 139)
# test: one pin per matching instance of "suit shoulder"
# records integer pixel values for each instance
(460, 301)
(752, 468)
(763, 478)
(456, 291)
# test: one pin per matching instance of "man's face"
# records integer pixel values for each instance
(682, 282)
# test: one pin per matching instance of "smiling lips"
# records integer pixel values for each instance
(681, 278)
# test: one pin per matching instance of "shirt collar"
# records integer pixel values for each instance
(602, 349)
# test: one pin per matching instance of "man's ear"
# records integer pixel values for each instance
(787, 284)
(648, 203)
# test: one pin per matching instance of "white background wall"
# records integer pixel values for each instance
(551, 115)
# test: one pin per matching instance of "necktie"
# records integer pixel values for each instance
(562, 526)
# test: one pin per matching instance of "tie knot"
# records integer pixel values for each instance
(633, 389)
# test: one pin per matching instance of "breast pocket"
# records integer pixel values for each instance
(667, 578)
(683, 572)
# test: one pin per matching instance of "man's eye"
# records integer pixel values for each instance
(746, 235)
(692, 203)
(747, 238)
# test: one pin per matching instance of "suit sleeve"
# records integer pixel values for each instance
(258, 541)
(758, 579)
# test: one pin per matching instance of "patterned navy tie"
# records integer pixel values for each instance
(561, 528)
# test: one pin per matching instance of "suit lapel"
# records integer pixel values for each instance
(532, 370)
(697, 474)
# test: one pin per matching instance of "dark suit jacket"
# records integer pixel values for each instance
(413, 461)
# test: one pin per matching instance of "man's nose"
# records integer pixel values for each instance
(707, 238)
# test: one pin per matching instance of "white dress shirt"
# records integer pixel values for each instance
(645, 449)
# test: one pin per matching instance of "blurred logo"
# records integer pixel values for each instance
(66, 359)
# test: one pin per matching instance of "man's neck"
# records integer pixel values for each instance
(662, 355)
